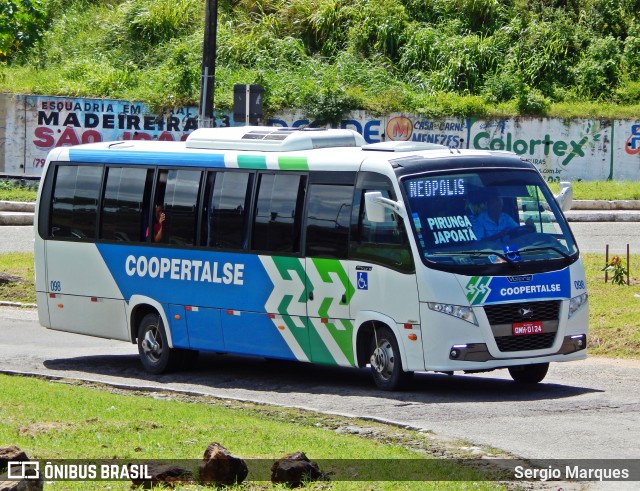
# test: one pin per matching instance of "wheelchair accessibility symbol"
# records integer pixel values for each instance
(363, 281)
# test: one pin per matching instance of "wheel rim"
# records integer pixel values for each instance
(382, 360)
(152, 345)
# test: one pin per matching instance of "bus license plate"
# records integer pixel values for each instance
(525, 328)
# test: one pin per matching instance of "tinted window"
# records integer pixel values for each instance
(278, 212)
(125, 208)
(75, 201)
(328, 215)
(379, 242)
(176, 206)
(226, 225)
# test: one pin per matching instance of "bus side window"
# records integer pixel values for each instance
(225, 224)
(328, 215)
(126, 203)
(74, 206)
(278, 214)
(180, 205)
(384, 243)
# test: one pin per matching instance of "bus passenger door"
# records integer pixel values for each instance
(326, 247)
(383, 270)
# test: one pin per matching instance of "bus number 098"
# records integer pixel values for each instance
(56, 286)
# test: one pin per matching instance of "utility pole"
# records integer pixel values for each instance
(208, 77)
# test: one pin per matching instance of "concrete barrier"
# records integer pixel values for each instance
(605, 205)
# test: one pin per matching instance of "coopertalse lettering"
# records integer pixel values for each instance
(518, 290)
(185, 270)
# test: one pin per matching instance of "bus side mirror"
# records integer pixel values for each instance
(565, 198)
(375, 204)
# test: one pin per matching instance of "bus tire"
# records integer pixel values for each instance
(386, 364)
(153, 348)
(529, 374)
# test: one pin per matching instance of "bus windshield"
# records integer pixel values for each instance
(488, 222)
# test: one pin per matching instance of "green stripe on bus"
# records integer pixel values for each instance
(343, 338)
(300, 333)
(252, 161)
(285, 266)
(319, 351)
(293, 163)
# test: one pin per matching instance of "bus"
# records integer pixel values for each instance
(311, 245)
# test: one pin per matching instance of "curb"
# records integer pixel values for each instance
(602, 216)
(15, 218)
(18, 304)
(17, 206)
(605, 205)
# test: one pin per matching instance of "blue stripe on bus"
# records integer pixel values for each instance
(189, 277)
(115, 156)
(231, 302)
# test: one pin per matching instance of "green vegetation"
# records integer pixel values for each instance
(614, 310)
(17, 277)
(603, 190)
(614, 315)
(53, 420)
(16, 190)
(486, 58)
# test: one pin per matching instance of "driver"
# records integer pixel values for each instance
(493, 223)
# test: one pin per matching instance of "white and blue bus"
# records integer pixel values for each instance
(311, 245)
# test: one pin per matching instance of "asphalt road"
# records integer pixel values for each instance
(591, 237)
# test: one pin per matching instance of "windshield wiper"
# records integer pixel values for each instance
(475, 254)
(546, 248)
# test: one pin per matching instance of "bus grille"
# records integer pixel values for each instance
(508, 313)
(526, 343)
(503, 316)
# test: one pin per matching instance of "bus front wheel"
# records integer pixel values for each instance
(386, 365)
(529, 374)
(155, 355)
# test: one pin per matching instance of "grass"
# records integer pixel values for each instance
(614, 315)
(56, 420)
(603, 190)
(19, 266)
(614, 310)
(12, 190)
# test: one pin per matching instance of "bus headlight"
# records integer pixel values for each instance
(459, 311)
(577, 303)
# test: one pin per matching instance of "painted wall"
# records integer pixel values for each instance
(588, 149)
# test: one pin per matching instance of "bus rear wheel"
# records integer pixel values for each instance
(529, 374)
(153, 348)
(386, 365)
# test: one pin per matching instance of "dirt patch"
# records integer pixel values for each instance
(6, 279)
(42, 428)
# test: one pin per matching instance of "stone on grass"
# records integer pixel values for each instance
(294, 470)
(14, 454)
(220, 467)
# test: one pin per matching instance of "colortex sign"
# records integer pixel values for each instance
(560, 149)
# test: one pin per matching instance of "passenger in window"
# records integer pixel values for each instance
(493, 223)
(158, 223)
